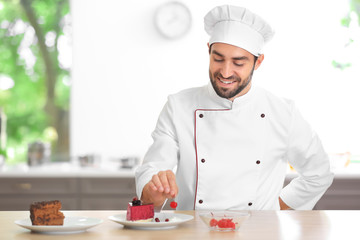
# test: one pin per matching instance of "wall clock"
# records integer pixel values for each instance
(173, 19)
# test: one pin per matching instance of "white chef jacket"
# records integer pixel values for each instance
(234, 155)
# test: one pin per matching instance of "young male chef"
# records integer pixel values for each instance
(230, 142)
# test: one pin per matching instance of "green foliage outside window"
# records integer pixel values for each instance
(351, 19)
(37, 106)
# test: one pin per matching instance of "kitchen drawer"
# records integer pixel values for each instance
(105, 203)
(344, 187)
(20, 203)
(333, 202)
(124, 186)
(38, 186)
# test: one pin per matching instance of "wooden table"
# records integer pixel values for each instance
(262, 225)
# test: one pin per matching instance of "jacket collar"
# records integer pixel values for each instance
(225, 103)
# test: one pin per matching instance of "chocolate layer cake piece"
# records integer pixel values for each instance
(136, 211)
(46, 213)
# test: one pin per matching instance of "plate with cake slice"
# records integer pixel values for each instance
(143, 216)
(71, 225)
(162, 220)
(46, 217)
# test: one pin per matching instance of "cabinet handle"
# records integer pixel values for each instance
(23, 186)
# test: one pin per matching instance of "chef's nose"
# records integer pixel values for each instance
(227, 70)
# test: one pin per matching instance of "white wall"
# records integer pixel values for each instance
(123, 70)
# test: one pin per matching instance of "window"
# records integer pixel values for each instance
(35, 61)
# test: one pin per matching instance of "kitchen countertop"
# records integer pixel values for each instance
(261, 225)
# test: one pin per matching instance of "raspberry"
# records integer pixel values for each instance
(213, 222)
(136, 203)
(166, 220)
(173, 204)
(231, 225)
(226, 223)
(157, 220)
(222, 223)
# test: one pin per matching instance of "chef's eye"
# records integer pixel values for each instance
(238, 64)
(218, 59)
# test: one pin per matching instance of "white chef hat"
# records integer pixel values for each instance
(239, 27)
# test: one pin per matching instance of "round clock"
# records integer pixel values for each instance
(173, 19)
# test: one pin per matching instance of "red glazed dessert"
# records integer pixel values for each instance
(138, 212)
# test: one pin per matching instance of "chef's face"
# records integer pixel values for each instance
(231, 69)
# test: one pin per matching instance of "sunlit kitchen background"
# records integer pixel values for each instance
(82, 83)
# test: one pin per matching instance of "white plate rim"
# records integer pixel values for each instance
(66, 228)
(121, 218)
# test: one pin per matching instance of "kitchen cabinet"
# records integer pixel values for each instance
(105, 193)
(343, 194)
(99, 189)
(74, 193)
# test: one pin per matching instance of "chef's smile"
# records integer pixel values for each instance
(226, 82)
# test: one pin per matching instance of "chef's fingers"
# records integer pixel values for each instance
(149, 195)
(152, 186)
(163, 176)
(157, 183)
(172, 182)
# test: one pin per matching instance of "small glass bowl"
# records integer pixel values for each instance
(225, 220)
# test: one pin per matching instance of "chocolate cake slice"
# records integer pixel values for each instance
(46, 213)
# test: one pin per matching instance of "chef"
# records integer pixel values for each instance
(227, 145)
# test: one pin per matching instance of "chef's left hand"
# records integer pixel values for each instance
(283, 205)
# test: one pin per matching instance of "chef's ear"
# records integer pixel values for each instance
(259, 61)
(209, 47)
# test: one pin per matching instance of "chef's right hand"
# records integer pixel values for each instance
(159, 188)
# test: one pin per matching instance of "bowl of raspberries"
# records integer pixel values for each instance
(224, 220)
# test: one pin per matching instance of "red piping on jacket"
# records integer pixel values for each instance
(196, 154)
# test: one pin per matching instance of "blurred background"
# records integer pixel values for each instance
(85, 80)
(90, 77)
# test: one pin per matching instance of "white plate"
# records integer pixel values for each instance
(71, 225)
(174, 220)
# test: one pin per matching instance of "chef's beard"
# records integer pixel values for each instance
(226, 92)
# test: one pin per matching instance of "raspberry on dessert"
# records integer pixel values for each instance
(136, 202)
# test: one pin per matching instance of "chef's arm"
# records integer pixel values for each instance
(154, 181)
(306, 155)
